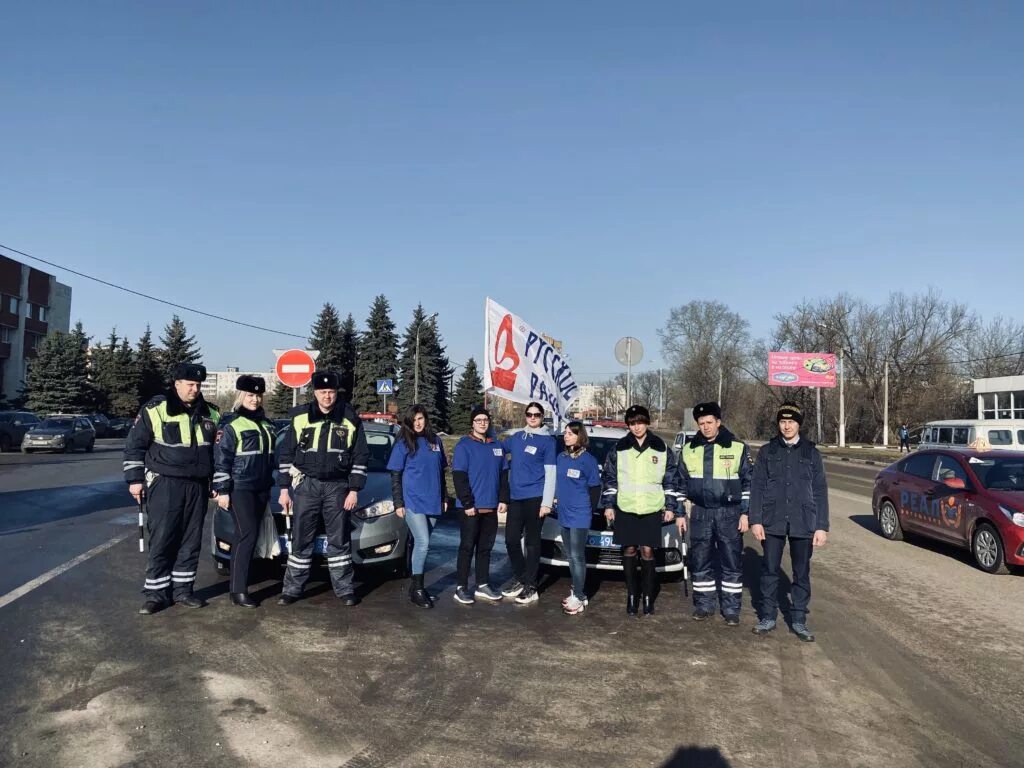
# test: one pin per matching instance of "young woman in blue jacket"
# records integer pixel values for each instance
(577, 491)
(243, 470)
(417, 466)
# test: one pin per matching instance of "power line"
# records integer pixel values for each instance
(152, 298)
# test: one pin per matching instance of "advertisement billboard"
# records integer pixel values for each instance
(801, 369)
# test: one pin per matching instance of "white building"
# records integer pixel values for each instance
(222, 383)
(596, 400)
(1001, 397)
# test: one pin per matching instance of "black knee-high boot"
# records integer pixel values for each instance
(629, 569)
(647, 582)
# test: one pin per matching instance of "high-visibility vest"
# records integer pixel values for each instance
(640, 480)
(176, 431)
(340, 438)
(251, 437)
(725, 462)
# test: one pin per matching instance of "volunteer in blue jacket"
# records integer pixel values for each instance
(531, 455)
(639, 496)
(788, 500)
(480, 475)
(243, 472)
(578, 490)
(417, 467)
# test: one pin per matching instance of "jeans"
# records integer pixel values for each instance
(524, 521)
(477, 534)
(420, 526)
(800, 551)
(574, 541)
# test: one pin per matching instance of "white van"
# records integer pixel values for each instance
(960, 433)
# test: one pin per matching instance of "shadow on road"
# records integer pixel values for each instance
(46, 505)
(752, 580)
(696, 757)
(870, 522)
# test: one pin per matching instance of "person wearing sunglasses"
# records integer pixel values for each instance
(578, 490)
(480, 475)
(639, 496)
(532, 456)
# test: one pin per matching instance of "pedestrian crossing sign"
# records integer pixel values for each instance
(385, 387)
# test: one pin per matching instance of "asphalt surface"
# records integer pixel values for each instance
(916, 664)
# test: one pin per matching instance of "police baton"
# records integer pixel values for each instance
(142, 521)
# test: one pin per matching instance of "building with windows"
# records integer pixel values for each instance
(599, 400)
(32, 304)
(221, 384)
(1001, 397)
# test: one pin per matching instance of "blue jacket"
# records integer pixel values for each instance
(243, 456)
(789, 493)
(711, 492)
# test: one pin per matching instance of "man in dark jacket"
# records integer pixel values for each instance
(788, 499)
(168, 459)
(323, 460)
(714, 476)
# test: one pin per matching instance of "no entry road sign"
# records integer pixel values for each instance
(295, 368)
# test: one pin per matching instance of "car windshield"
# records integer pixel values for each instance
(57, 423)
(999, 473)
(598, 446)
(379, 444)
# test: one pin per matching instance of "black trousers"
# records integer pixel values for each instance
(522, 525)
(715, 539)
(176, 512)
(315, 499)
(800, 551)
(247, 508)
(904, 443)
(477, 535)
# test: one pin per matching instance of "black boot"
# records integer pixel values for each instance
(647, 580)
(417, 594)
(629, 570)
(243, 600)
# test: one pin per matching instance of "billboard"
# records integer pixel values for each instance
(801, 369)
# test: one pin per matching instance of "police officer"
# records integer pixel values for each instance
(788, 500)
(714, 475)
(323, 460)
(168, 458)
(243, 475)
(639, 494)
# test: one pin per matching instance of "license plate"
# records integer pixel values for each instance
(320, 546)
(603, 540)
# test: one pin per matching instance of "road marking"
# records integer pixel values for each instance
(53, 573)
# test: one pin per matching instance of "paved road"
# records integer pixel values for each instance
(916, 663)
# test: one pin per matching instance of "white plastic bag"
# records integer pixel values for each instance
(267, 544)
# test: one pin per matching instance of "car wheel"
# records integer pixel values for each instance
(90, 446)
(5, 443)
(889, 521)
(987, 548)
(26, 450)
(68, 448)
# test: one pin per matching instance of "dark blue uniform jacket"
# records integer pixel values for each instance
(788, 493)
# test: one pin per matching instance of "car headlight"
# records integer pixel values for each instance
(377, 509)
(1017, 518)
(58, 439)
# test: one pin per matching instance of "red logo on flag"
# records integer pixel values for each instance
(502, 377)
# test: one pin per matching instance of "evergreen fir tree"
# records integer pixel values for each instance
(406, 384)
(178, 347)
(349, 354)
(377, 357)
(102, 371)
(326, 337)
(123, 395)
(468, 394)
(150, 377)
(57, 380)
(279, 401)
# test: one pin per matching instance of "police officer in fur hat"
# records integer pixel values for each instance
(168, 459)
(788, 501)
(322, 468)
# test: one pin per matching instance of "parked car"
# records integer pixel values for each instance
(970, 498)
(13, 426)
(60, 432)
(380, 538)
(602, 553)
(120, 427)
(682, 438)
(100, 423)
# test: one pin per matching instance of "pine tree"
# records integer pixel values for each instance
(326, 337)
(377, 357)
(435, 370)
(57, 381)
(150, 377)
(178, 347)
(123, 396)
(279, 401)
(468, 394)
(102, 370)
(349, 355)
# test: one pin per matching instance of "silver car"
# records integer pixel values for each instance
(380, 538)
(602, 552)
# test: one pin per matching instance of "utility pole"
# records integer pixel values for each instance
(817, 402)
(842, 401)
(661, 397)
(720, 377)
(885, 408)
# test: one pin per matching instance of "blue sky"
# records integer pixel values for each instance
(588, 165)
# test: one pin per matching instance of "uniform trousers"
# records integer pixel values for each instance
(715, 540)
(312, 501)
(247, 508)
(176, 508)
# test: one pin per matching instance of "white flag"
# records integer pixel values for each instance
(521, 366)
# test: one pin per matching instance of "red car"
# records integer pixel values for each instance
(971, 498)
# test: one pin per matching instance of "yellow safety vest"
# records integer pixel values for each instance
(640, 480)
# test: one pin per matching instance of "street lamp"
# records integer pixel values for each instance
(842, 398)
(416, 364)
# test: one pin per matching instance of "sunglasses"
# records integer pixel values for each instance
(533, 415)
(482, 420)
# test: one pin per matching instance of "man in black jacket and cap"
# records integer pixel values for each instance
(168, 459)
(788, 500)
(322, 461)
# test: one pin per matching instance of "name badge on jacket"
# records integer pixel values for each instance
(531, 449)
(498, 452)
(573, 473)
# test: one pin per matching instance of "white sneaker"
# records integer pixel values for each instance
(572, 593)
(573, 606)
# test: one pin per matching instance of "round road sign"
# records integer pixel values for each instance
(629, 351)
(295, 368)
